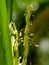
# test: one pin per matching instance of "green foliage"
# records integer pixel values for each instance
(7, 7)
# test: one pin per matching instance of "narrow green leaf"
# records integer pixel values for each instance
(5, 34)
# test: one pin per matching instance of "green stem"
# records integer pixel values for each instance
(16, 50)
(26, 45)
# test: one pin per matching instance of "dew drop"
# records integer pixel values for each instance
(20, 57)
(20, 34)
(25, 14)
(22, 41)
(21, 38)
(31, 34)
(36, 45)
(34, 5)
